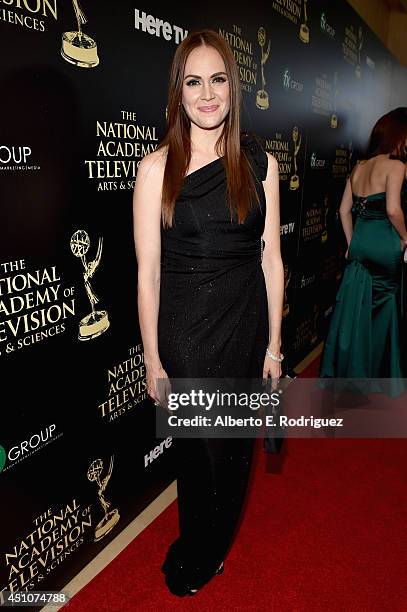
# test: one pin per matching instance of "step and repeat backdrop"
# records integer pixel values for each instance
(83, 99)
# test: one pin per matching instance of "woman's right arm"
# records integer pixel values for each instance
(147, 240)
(394, 180)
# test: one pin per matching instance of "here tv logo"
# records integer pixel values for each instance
(158, 27)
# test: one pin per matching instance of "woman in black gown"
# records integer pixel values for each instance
(210, 284)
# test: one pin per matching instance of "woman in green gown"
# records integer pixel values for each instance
(364, 335)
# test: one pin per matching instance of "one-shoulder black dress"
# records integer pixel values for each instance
(213, 322)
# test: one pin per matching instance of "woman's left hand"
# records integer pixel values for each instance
(272, 369)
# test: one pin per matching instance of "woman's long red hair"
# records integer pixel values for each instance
(389, 134)
(240, 183)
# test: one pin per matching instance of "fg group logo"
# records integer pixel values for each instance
(16, 158)
(25, 448)
(317, 163)
(291, 84)
(3, 458)
(326, 27)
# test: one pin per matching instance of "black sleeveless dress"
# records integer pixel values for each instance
(213, 322)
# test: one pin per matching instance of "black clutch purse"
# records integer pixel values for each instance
(274, 436)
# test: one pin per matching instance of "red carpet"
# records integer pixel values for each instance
(324, 531)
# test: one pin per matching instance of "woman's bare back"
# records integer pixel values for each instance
(370, 176)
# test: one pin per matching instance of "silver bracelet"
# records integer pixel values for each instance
(274, 357)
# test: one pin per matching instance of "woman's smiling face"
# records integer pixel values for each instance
(205, 89)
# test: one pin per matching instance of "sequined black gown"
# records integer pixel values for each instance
(213, 322)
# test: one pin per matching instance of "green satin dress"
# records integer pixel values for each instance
(364, 334)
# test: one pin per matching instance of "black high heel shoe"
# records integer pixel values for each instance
(181, 589)
(217, 573)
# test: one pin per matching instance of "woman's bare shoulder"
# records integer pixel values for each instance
(153, 164)
(395, 167)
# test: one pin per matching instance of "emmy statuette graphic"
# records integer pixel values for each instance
(79, 48)
(358, 69)
(111, 517)
(287, 278)
(304, 29)
(295, 179)
(97, 321)
(334, 116)
(262, 98)
(324, 235)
